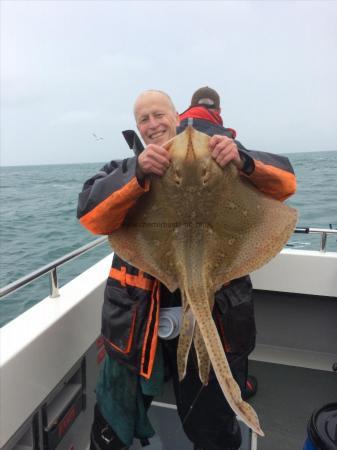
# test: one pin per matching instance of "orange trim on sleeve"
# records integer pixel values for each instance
(272, 181)
(131, 280)
(155, 300)
(108, 215)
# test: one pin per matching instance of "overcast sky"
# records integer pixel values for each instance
(73, 68)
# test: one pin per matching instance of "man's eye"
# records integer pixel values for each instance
(143, 120)
(159, 115)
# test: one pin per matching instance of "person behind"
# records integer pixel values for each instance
(136, 360)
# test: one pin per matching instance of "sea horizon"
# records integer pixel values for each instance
(103, 162)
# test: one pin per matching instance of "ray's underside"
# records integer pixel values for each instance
(197, 228)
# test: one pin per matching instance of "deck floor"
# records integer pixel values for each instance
(170, 435)
(285, 401)
(286, 398)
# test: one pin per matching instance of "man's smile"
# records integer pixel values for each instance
(157, 134)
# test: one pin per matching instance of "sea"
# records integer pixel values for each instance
(38, 220)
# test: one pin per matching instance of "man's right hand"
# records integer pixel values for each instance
(153, 159)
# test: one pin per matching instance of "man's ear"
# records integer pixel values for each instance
(177, 119)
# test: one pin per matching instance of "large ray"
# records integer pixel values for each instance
(198, 227)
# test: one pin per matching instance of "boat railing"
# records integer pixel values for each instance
(324, 232)
(51, 268)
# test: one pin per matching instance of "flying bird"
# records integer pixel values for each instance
(97, 138)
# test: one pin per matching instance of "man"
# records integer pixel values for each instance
(133, 368)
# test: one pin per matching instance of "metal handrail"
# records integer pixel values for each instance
(322, 231)
(52, 267)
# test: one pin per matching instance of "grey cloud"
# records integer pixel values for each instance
(70, 68)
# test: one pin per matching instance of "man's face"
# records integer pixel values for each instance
(156, 120)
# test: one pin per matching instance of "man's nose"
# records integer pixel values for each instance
(153, 121)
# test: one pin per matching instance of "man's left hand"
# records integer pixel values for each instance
(224, 150)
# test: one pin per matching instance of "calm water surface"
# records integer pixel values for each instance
(38, 219)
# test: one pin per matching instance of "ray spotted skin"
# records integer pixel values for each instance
(204, 362)
(186, 338)
(197, 228)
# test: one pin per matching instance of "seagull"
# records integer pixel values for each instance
(97, 138)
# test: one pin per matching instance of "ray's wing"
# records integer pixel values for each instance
(246, 228)
(249, 229)
(145, 238)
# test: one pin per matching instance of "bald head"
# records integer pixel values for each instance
(156, 117)
(153, 94)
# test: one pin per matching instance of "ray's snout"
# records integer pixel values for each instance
(184, 175)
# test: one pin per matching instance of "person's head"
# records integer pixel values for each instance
(156, 117)
(206, 97)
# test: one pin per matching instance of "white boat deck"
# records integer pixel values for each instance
(40, 347)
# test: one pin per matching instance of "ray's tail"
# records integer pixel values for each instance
(185, 340)
(204, 362)
(195, 283)
(189, 333)
(197, 298)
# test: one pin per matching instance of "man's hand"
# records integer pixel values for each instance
(153, 159)
(224, 150)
